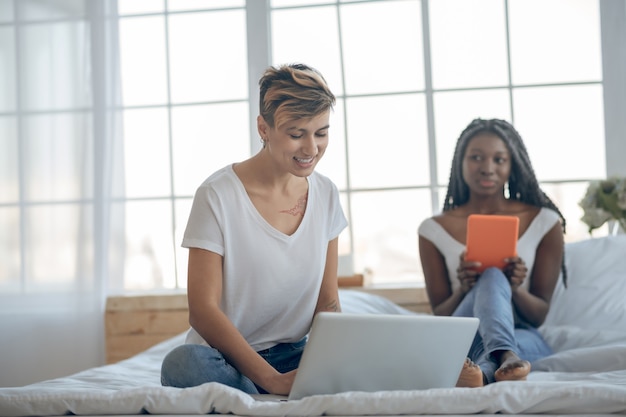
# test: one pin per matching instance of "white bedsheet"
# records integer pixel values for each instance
(132, 387)
(587, 378)
(586, 375)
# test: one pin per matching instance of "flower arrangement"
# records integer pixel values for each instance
(605, 200)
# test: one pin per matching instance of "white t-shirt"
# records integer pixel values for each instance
(271, 280)
(527, 244)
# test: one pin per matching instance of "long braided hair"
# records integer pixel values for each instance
(522, 184)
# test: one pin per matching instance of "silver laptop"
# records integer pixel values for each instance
(382, 352)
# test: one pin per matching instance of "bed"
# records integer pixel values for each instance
(586, 327)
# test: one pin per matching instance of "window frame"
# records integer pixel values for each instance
(259, 54)
(613, 85)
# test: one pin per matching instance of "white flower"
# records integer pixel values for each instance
(620, 190)
(604, 200)
(590, 200)
(595, 217)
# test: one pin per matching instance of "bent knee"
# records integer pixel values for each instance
(174, 363)
(180, 362)
(493, 277)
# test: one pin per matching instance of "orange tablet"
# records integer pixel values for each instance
(490, 239)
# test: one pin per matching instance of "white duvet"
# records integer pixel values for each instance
(132, 387)
(587, 375)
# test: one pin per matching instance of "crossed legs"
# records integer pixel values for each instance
(496, 345)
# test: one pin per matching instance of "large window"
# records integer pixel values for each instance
(185, 112)
(409, 76)
(413, 74)
(46, 149)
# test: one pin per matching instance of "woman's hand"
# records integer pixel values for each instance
(467, 274)
(516, 271)
(280, 384)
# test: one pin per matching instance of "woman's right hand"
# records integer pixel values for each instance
(467, 273)
(280, 384)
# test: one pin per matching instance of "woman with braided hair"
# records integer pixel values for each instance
(491, 173)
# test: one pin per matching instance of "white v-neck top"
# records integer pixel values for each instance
(527, 244)
(271, 280)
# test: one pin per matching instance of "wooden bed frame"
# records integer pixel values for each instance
(134, 323)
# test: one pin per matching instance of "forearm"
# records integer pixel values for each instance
(447, 307)
(531, 308)
(328, 303)
(328, 297)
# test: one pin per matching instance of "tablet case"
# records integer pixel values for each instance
(490, 239)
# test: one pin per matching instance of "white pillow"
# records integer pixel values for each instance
(595, 297)
(359, 302)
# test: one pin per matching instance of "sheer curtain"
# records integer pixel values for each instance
(59, 132)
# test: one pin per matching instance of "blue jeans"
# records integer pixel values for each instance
(191, 365)
(499, 328)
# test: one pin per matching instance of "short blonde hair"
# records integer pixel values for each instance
(291, 92)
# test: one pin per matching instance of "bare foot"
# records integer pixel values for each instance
(471, 375)
(512, 368)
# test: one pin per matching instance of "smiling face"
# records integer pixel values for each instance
(296, 146)
(486, 164)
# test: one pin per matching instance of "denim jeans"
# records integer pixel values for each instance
(191, 365)
(499, 328)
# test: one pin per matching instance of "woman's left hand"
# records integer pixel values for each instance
(515, 271)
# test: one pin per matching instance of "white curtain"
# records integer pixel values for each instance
(59, 132)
